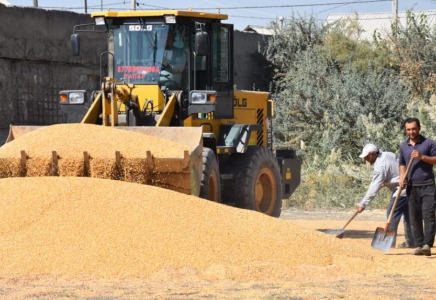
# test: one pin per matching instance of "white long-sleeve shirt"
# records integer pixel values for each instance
(386, 172)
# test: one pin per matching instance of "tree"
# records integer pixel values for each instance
(329, 92)
(333, 93)
(414, 53)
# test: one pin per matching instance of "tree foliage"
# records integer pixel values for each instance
(334, 92)
(327, 99)
(414, 52)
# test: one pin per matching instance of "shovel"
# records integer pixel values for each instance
(340, 232)
(383, 238)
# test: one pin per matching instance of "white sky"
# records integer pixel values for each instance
(240, 17)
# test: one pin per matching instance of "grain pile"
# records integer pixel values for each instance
(71, 140)
(85, 226)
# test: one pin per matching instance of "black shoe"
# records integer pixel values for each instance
(404, 245)
(426, 250)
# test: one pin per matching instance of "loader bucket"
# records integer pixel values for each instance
(192, 137)
(17, 131)
(182, 173)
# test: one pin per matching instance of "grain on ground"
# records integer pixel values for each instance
(85, 226)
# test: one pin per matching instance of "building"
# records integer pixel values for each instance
(258, 29)
(380, 22)
(5, 3)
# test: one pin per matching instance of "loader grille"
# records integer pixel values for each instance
(37, 106)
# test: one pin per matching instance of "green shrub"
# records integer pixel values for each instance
(334, 93)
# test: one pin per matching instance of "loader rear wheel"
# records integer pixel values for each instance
(210, 188)
(258, 181)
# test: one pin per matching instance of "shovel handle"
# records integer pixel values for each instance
(351, 219)
(387, 227)
(391, 215)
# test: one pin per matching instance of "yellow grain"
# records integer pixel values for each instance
(85, 226)
(71, 140)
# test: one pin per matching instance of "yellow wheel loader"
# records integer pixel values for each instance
(174, 69)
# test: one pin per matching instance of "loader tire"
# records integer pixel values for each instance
(258, 181)
(210, 188)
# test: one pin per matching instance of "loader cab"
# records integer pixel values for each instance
(191, 54)
(187, 53)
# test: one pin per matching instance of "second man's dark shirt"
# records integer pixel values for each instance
(421, 173)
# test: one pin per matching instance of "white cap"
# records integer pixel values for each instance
(369, 148)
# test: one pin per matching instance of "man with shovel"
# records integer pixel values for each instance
(386, 173)
(420, 185)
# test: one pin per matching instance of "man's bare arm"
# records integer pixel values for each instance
(402, 179)
(427, 159)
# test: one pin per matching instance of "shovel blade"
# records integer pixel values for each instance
(383, 240)
(339, 233)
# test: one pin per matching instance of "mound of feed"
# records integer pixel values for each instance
(71, 140)
(86, 226)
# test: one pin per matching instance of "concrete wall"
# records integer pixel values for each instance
(252, 71)
(35, 63)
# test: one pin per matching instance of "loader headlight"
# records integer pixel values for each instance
(170, 19)
(72, 97)
(99, 21)
(76, 98)
(201, 97)
(197, 98)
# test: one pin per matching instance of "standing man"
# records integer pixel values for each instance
(420, 185)
(386, 173)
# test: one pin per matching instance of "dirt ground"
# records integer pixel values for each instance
(395, 275)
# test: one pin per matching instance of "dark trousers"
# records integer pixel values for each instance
(421, 200)
(401, 210)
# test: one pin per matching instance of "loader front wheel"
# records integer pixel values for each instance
(258, 181)
(210, 188)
